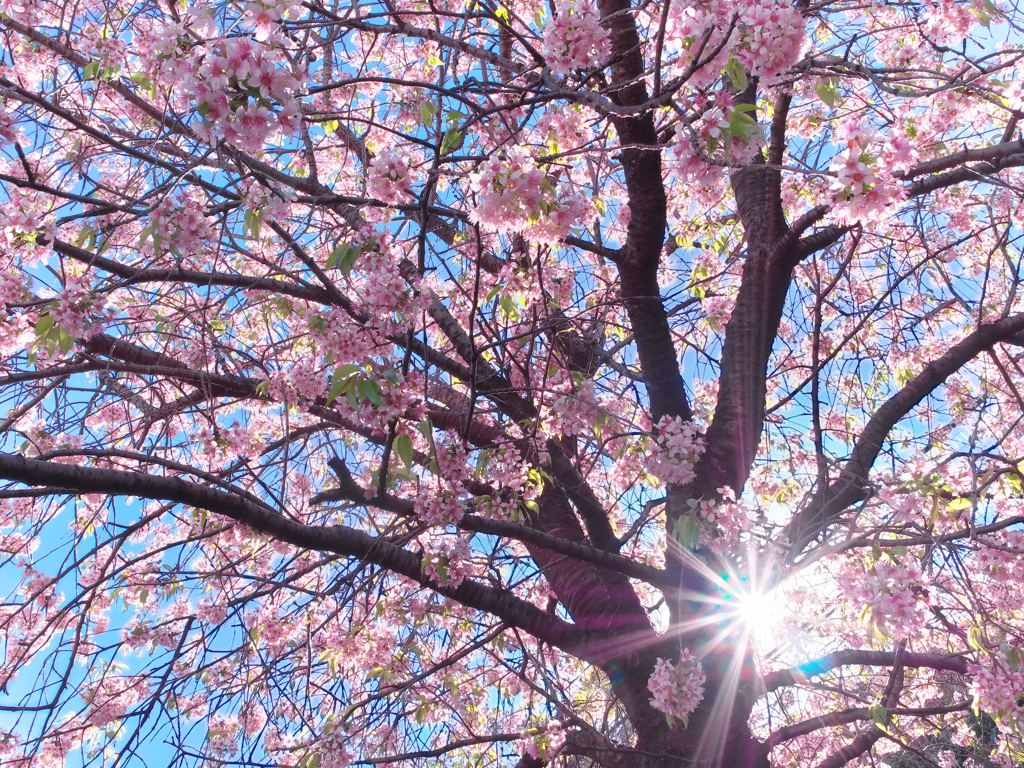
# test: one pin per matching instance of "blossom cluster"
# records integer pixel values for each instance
(244, 96)
(677, 688)
(892, 592)
(222, 735)
(441, 498)
(677, 449)
(997, 686)
(25, 216)
(388, 177)
(866, 187)
(724, 134)
(515, 196)
(731, 517)
(179, 225)
(574, 38)
(110, 698)
(8, 130)
(264, 17)
(999, 558)
(12, 289)
(772, 37)
(542, 743)
(445, 559)
(573, 411)
(74, 306)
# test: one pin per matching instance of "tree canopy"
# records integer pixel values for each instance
(511, 383)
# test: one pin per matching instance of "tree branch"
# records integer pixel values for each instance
(851, 486)
(784, 677)
(337, 539)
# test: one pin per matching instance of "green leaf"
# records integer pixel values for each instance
(334, 256)
(740, 123)
(145, 234)
(493, 292)
(142, 80)
(957, 504)
(44, 324)
(426, 429)
(427, 112)
(737, 73)
(1013, 657)
(509, 308)
(453, 117)
(91, 71)
(880, 715)
(827, 92)
(348, 259)
(403, 447)
(404, 474)
(66, 341)
(337, 388)
(255, 223)
(330, 127)
(881, 633)
(370, 390)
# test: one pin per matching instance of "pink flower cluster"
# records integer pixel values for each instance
(893, 593)
(574, 38)
(719, 135)
(244, 96)
(543, 743)
(996, 688)
(772, 37)
(74, 306)
(180, 225)
(110, 699)
(264, 17)
(23, 217)
(866, 188)
(8, 130)
(677, 688)
(222, 735)
(575, 411)
(688, 23)
(12, 289)
(445, 559)
(732, 518)
(442, 496)
(388, 178)
(677, 449)
(515, 196)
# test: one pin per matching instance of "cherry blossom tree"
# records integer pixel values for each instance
(579, 382)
